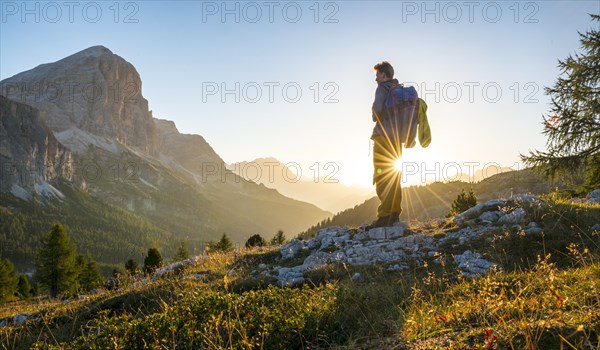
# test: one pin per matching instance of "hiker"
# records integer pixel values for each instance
(387, 149)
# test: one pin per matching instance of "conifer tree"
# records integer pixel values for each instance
(8, 279)
(223, 245)
(255, 241)
(55, 262)
(573, 126)
(23, 287)
(182, 252)
(152, 261)
(89, 275)
(463, 202)
(131, 266)
(278, 239)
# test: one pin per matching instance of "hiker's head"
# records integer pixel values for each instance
(383, 71)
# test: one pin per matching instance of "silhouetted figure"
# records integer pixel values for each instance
(387, 150)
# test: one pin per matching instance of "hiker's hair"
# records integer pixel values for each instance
(386, 68)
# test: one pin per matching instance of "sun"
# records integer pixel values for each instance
(398, 165)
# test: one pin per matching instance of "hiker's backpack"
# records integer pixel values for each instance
(402, 105)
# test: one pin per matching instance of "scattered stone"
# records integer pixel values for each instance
(594, 194)
(290, 250)
(472, 264)
(395, 231)
(326, 242)
(357, 277)
(533, 228)
(469, 214)
(377, 233)
(292, 282)
(513, 217)
(262, 266)
(397, 267)
(20, 318)
(315, 261)
(490, 216)
(596, 227)
(3, 323)
(494, 205)
(289, 277)
(362, 235)
(592, 197)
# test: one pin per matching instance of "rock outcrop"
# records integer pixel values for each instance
(30, 155)
(94, 91)
(398, 248)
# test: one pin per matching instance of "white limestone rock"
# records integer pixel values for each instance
(20, 318)
(514, 217)
(472, 264)
(290, 250)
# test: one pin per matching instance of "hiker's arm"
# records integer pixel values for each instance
(378, 105)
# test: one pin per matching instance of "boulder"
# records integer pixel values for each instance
(514, 217)
(472, 264)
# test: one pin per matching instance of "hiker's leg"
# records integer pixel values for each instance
(385, 176)
(396, 205)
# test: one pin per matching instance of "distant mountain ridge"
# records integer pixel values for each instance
(121, 154)
(325, 192)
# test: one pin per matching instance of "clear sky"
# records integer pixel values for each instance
(294, 80)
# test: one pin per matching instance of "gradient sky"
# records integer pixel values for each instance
(481, 67)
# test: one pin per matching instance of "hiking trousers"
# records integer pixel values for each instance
(386, 178)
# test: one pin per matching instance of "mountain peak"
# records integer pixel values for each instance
(94, 90)
(97, 50)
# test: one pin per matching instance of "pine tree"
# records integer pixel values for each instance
(152, 261)
(463, 202)
(89, 275)
(223, 245)
(573, 125)
(80, 266)
(182, 252)
(278, 239)
(255, 241)
(8, 279)
(23, 287)
(131, 266)
(56, 262)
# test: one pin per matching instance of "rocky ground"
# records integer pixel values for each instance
(398, 247)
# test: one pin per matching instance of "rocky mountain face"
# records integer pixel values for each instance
(92, 102)
(94, 91)
(30, 155)
(188, 153)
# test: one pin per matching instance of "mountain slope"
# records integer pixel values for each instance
(93, 104)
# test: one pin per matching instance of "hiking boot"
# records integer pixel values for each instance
(380, 222)
(393, 219)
